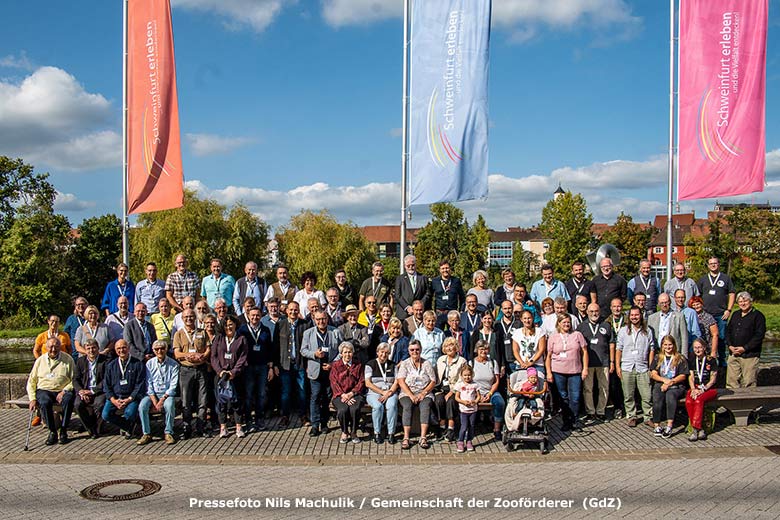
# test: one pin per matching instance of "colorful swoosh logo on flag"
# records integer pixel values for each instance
(711, 143)
(439, 146)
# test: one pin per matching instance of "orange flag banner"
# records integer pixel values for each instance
(154, 170)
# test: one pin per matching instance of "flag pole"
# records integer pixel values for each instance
(670, 208)
(405, 135)
(125, 245)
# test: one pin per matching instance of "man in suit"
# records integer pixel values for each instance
(125, 385)
(411, 286)
(668, 322)
(140, 334)
(289, 362)
(88, 385)
(320, 347)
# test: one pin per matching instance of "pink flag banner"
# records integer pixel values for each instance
(722, 98)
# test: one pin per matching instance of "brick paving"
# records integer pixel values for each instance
(607, 441)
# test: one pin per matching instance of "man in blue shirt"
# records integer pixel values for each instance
(162, 378)
(217, 285)
(548, 287)
(150, 289)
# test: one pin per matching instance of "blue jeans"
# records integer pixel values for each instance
(570, 387)
(319, 400)
(378, 409)
(126, 421)
(498, 404)
(169, 411)
(288, 377)
(256, 380)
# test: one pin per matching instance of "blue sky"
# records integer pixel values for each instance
(290, 104)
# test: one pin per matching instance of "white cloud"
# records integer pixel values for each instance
(17, 62)
(522, 18)
(210, 144)
(69, 202)
(634, 187)
(50, 117)
(238, 14)
(339, 13)
(396, 132)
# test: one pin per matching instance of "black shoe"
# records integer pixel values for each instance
(64, 437)
(314, 432)
(567, 426)
(93, 434)
(52, 440)
(378, 439)
(450, 435)
(601, 417)
(391, 439)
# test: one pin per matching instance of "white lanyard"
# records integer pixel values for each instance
(472, 323)
(123, 369)
(486, 339)
(635, 337)
(382, 370)
(577, 286)
(190, 339)
(91, 332)
(700, 370)
(619, 324)
(713, 282)
(228, 343)
(548, 288)
(376, 288)
(446, 287)
(255, 334)
(81, 321)
(666, 365)
(680, 285)
(384, 327)
(564, 340)
(121, 288)
(645, 283)
(593, 329)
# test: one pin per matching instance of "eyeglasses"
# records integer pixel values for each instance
(370, 303)
(414, 350)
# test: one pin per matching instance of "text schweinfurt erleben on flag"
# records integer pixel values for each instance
(154, 171)
(722, 97)
(448, 141)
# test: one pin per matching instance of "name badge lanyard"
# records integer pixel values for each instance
(190, 339)
(122, 370)
(122, 289)
(646, 284)
(713, 282)
(80, 320)
(700, 371)
(322, 343)
(91, 332)
(375, 288)
(228, 344)
(635, 340)
(593, 330)
(619, 323)
(255, 335)
(165, 324)
(472, 322)
(383, 371)
(446, 288)
(666, 365)
(577, 286)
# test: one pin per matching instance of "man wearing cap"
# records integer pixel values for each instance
(355, 333)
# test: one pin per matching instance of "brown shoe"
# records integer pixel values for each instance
(632, 422)
(169, 439)
(36, 421)
(145, 439)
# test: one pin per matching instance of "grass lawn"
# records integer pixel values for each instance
(22, 333)
(772, 313)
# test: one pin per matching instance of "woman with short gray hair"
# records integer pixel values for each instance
(382, 394)
(346, 381)
(480, 289)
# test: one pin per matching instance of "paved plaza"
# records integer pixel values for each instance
(614, 470)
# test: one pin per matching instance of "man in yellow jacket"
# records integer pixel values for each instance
(50, 383)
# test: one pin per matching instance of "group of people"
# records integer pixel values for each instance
(238, 349)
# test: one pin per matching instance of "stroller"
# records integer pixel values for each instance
(522, 424)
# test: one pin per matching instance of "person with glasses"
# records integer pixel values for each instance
(181, 283)
(680, 281)
(718, 297)
(75, 321)
(320, 347)
(162, 378)
(607, 286)
(52, 331)
(416, 378)
(191, 349)
(370, 316)
(50, 383)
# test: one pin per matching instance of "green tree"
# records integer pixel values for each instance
(521, 264)
(317, 242)
(473, 248)
(566, 224)
(440, 239)
(21, 186)
(94, 255)
(33, 269)
(631, 240)
(201, 229)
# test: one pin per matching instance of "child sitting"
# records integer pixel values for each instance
(528, 390)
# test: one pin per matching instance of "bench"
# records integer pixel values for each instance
(742, 401)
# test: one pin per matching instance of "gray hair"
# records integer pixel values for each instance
(160, 343)
(383, 346)
(478, 272)
(744, 295)
(89, 342)
(346, 345)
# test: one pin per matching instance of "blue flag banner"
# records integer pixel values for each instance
(448, 127)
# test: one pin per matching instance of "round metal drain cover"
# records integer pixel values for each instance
(118, 490)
